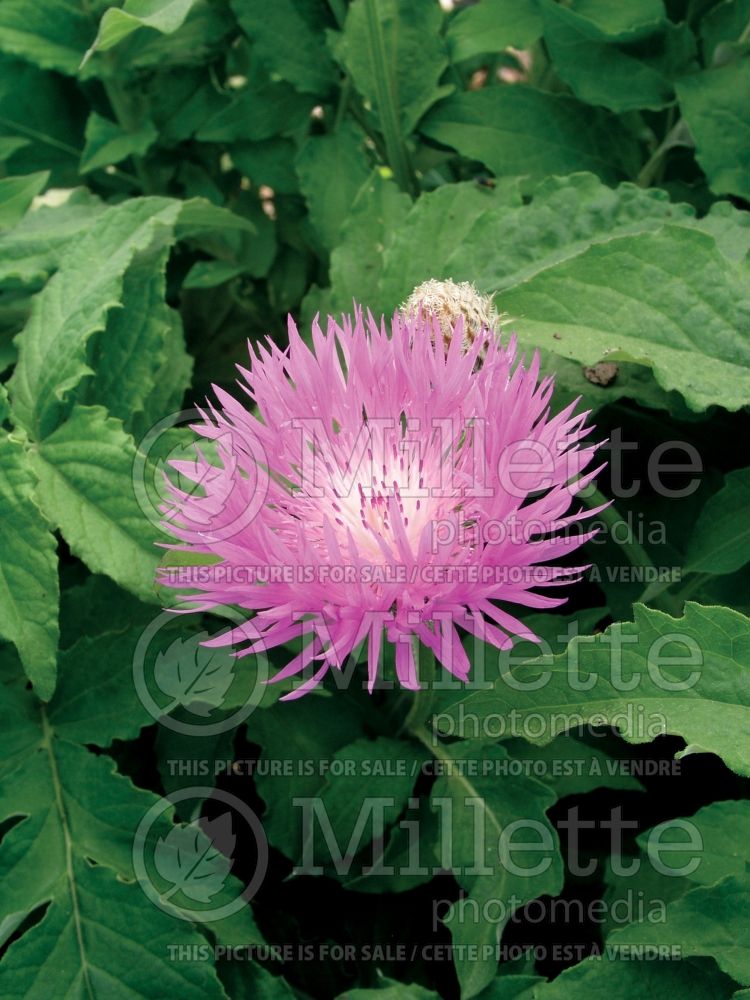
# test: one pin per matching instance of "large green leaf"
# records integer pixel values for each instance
(74, 305)
(85, 471)
(478, 805)
(720, 542)
(288, 36)
(51, 34)
(142, 350)
(669, 300)
(493, 25)
(378, 210)
(687, 676)
(496, 241)
(305, 733)
(107, 940)
(331, 170)
(33, 249)
(508, 129)
(71, 808)
(621, 66)
(709, 920)
(28, 570)
(714, 104)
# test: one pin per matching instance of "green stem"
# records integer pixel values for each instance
(344, 95)
(386, 92)
(676, 136)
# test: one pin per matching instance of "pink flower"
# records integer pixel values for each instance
(386, 484)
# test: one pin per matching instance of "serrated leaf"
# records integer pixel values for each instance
(667, 299)
(714, 105)
(28, 571)
(107, 142)
(33, 250)
(107, 940)
(288, 37)
(500, 241)
(492, 26)
(85, 471)
(139, 360)
(720, 541)
(508, 129)
(74, 305)
(16, 194)
(395, 55)
(688, 676)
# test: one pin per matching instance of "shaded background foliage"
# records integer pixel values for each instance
(177, 176)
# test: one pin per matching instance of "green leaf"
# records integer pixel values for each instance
(720, 542)
(16, 194)
(364, 771)
(107, 940)
(117, 23)
(395, 55)
(304, 733)
(331, 170)
(85, 471)
(107, 142)
(669, 300)
(613, 64)
(28, 571)
(356, 263)
(709, 920)
(714, 105)
(501, 241)
(210, 273)
(491, 26)
(288, 37)
(140, 339)
(257, 113)
(34, 249)
(508, 129)
(49, 33)
(685, 676)
(483, 805)
(623, 980)
(74, 305)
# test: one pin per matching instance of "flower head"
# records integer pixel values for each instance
(450, 302)
(385, 486)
